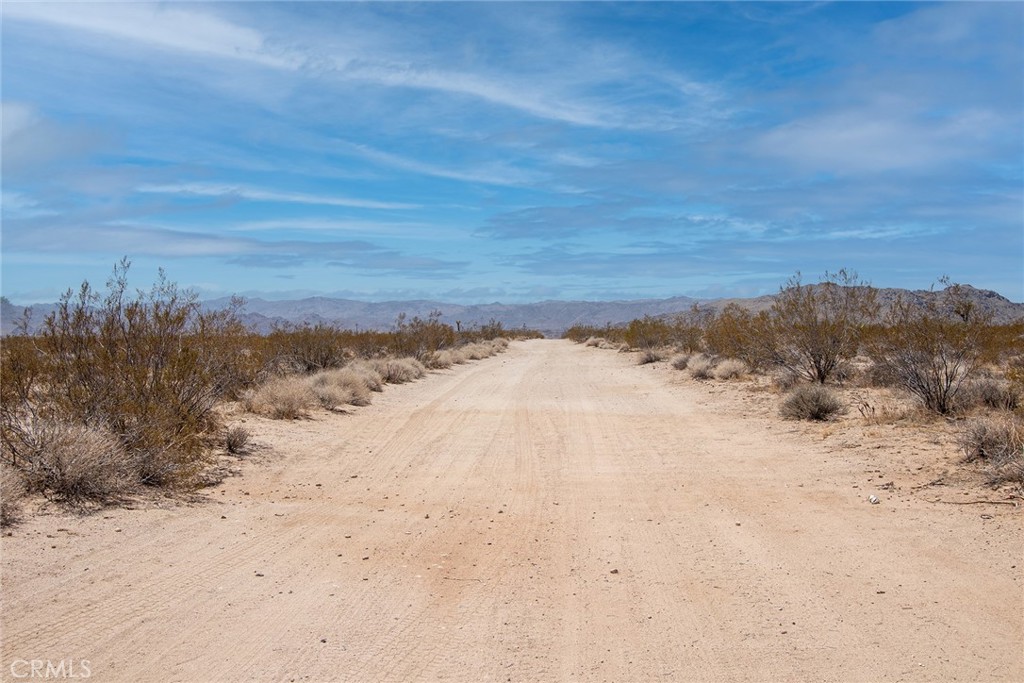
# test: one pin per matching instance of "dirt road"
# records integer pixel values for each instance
(554, 513)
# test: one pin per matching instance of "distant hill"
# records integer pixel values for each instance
(550, 317)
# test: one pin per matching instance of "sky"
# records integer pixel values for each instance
(513, 152)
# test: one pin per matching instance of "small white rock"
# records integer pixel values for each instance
(874, 500)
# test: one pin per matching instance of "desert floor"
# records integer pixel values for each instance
(554, 513)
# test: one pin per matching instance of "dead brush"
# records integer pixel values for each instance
(679, 361)
(701, 367)
(999, 442)
(12, 490)
(648, 356)
(811, 402)
(343, 386)
(281, 398)
(236, 440)
(399, 370)
(76, 464)
(730, 368)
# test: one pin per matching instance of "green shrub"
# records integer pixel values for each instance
(811, 402)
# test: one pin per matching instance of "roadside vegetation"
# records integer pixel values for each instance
(119, 391)
(825, 347)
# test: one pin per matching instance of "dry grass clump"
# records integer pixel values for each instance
(368, 374)
(12, 489)
(999, 442)
(440, 360)
(594, 341)
(398, 370)
(679, 361)
(701, 367)
(236, 439)
(343, 386)
(281, 398)
(730, 368)
(785, 380)
(73, 463)
(990, 393)
(649, 356)
(811, 402)
(477, 351)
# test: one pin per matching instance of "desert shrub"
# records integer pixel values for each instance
(398, 370)
(440, 360)
(649, 356)
(593, 341)
(992, 439)
(688, 329)
(701, 367)
(420, 338)
(784, 380)
(367, 373)
(817, 327)
(236, 439)
(931, 347)
(730, 368)
(75, 463)
(306, 348)
(12, 489)
(735, 332)
(343, 386)
(477, 351)
(811, 402)
(679, 361)
(648, 332)
(148, 369)
(990, 393)
(281, 398)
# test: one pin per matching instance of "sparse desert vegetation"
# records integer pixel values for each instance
(120, 390)
(915, 360)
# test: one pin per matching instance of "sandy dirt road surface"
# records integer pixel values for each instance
(554, 513)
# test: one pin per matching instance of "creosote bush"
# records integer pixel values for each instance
(811, 402)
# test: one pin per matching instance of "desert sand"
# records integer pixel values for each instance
(555, 513)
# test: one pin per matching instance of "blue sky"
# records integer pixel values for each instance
(475, 152)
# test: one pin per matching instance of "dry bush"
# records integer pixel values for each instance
(735, 332)
(419, 338)
(817, 327)
(992, 439)
(932, 347)
(148, 369)
(990, 393)
(12, 490)
(785, 380)
(730, 368)
(441, 360)
(236, 439)
(281, 398)
(648, 333)
(477, 351)
(499, 344)
(811, 402)
(649, 356)
(343, 386)
(368, 374)
(884, 412)
(594, 341)
(679, 361)
(399, 370)
(701, 366)
(74, 463)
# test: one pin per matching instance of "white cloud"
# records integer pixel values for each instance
(491, 174)
(261, 195)
(160, 26)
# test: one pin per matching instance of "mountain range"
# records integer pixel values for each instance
(550, 317)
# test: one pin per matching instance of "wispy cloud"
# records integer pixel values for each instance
(169, 27)
(263, 195)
